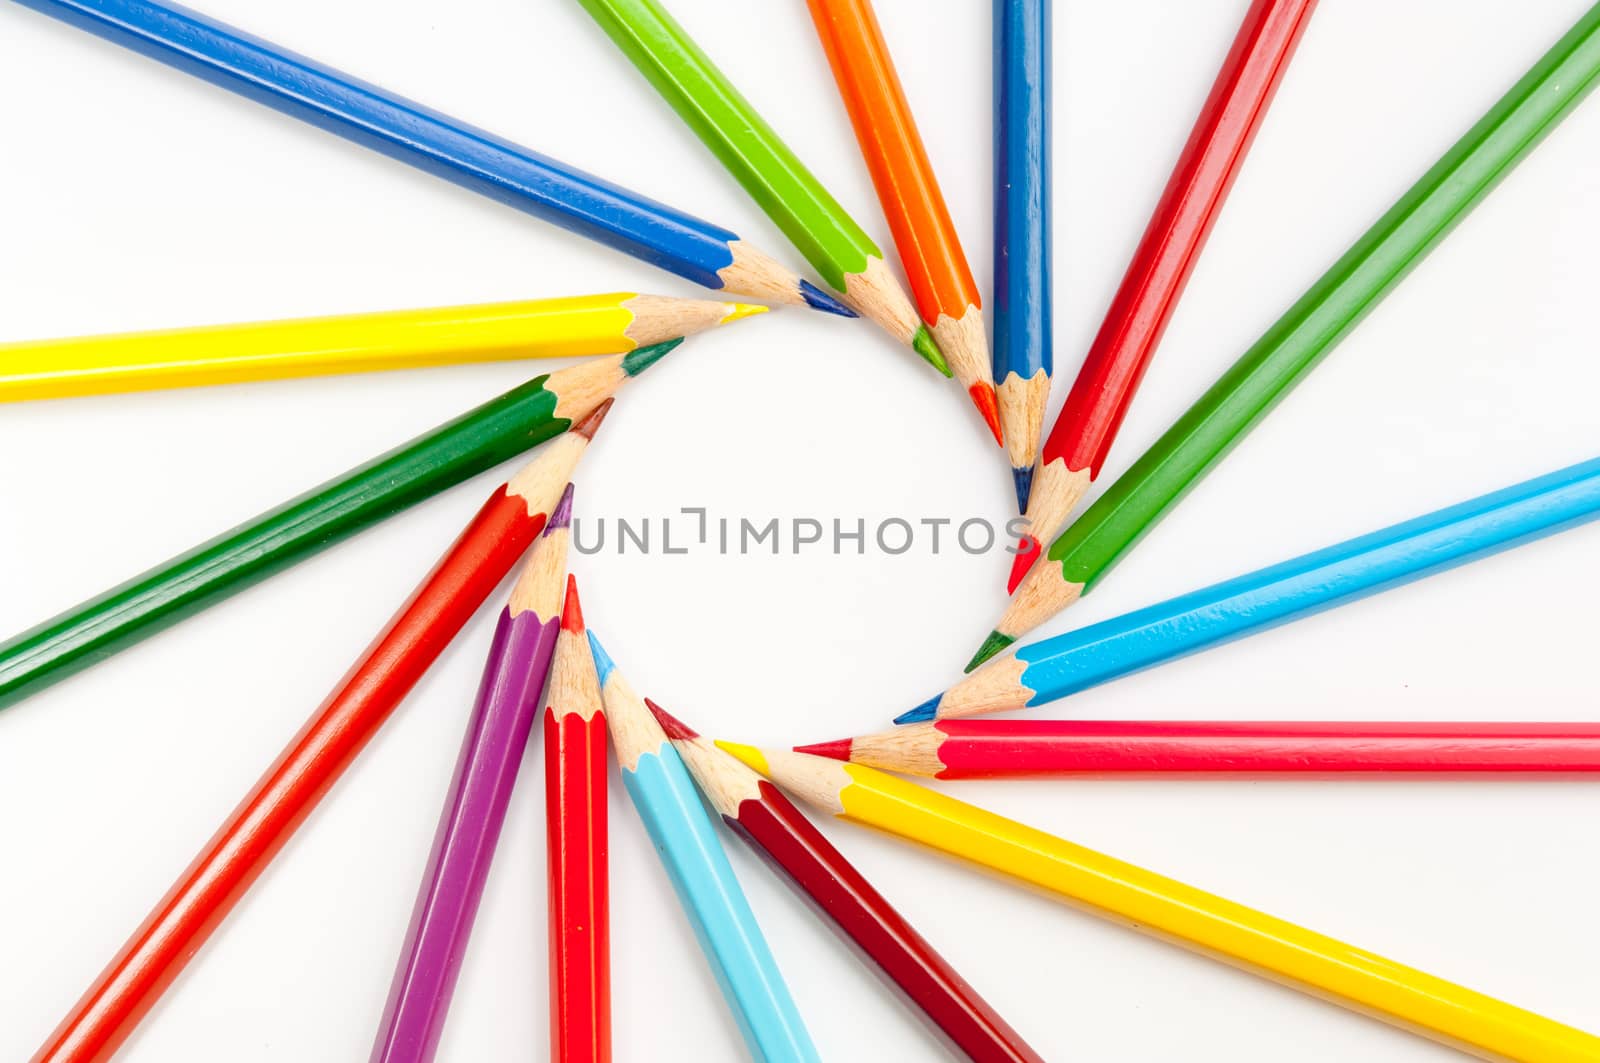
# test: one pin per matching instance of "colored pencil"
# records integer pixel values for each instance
(942, 287)
(315, 759)
(358, 343)
(1175, 912)
(681, 833)
(1024, 354)
(756, 811)
(475, 807)
(357, 110)
(1087, 425)
(791, 196)
(1292, 347)
(1245, 605)
(575, 824)
(480, 439)
(1025, 749)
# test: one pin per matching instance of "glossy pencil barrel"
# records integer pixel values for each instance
(407, 131)
(464, 843)
(577, 856)
(1355, 284)
(104, 625)
(1176, 234)
(292, 787)
(665, 797)
(1351, 570)
(795, 848)
(999, 749)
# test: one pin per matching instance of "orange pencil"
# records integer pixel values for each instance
(941, 281)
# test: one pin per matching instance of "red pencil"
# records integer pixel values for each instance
(997, 749)
(768, 821)
(575, 822)
(282, 799)
(1084, 430)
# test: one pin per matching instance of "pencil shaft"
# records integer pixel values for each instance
(407, 131)
(1346, 572)
(1293, 346)
(991, 749)
(795, 848)
(282, 799)
(1199, 920)
(665, 797)
(354, 343)
(272, 541)
(925, 237)
(464, 843)
(580, 936)
(740, 138)
(1172, 242)
(1022, 151)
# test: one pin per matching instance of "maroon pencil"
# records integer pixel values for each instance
(755, 810)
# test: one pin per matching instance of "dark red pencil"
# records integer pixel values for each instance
(316, 758)
(1076, 447)
(759, 813)
(575, 819)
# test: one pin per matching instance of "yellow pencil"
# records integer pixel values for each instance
(613, 323)
(1160, 906)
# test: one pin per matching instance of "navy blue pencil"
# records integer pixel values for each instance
(356, 110)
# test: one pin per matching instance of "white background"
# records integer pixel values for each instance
(133, 196)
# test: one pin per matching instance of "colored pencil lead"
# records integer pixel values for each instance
(791, 844)
(315, 759)
(576, 847)
(474, 810)
(1249, 390)
(1076, 448)
(764, 165)
(359, 111)
(1023, 344)
(682, 835)
(1173, 911)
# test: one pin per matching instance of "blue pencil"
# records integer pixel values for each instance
(536, 184)
(1022, 342)
(680, 829)
(1055, 667)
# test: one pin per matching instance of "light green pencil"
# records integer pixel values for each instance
(790, 194)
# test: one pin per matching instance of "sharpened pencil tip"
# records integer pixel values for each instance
(750, 755)
(839, 749)
(991, 646)
(1027, 554)
(924, 713)
(591, 424)
(636, 362)
(561, 516)
(817, 299)
(922, 343)
(982, 395)
(603, 664)
(740, 311)
(1023, 478)
(676, 729)
(571, 610)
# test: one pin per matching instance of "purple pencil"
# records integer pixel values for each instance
(469, 826)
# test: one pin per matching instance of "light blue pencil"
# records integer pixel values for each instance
(1053, 668)
(681, 830)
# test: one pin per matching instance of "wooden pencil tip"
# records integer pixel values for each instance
(590, 424)
(676, 729)
(922, 342)
(982, 395)
(838, 749)
(636, 362)
(1022, 478)
(740, 311)
(924, 713)
(561, 516)
(1027, 553)
(603, 664)
(817, 299)
(571, 611)
(991, 646)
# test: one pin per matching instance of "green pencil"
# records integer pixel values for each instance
(779, 182)
(1292, 347)
(451, 453)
